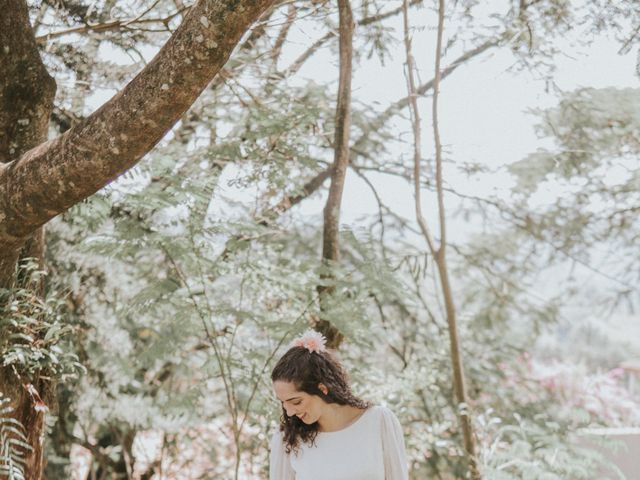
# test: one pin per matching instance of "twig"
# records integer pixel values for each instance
(116, 24)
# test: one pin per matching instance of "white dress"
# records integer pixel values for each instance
(371, 448)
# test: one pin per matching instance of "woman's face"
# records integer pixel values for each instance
(306, 407)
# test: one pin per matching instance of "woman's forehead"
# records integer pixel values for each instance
(286, 390)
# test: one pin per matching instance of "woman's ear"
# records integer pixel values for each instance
(323, 388)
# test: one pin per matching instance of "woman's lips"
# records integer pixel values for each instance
(302, 417)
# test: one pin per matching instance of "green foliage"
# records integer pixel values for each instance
(581, 196)
(13, 443)
(593, 129)
(536, 447)
(33, 331)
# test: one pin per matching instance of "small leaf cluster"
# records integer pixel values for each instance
(33, 329)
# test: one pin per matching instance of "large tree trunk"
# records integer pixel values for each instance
(40, 179)
(26, 101)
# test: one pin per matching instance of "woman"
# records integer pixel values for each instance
(327, 433)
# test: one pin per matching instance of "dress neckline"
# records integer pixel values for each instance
(352, 424)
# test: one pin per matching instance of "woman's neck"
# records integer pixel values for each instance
(336, 417)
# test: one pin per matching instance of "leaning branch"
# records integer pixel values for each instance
(379, 121)
(412, 100)
(52, 177)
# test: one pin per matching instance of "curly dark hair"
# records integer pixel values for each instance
(306, 370)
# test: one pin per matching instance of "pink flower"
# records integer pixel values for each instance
(312, 341)
(616, 372)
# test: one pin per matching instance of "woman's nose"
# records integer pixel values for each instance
(290, 411)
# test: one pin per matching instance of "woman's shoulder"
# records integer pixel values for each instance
(386, 423)
(381, 411)
(382, 414)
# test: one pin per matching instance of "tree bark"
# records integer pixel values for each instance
(26, 88)
(330, 237)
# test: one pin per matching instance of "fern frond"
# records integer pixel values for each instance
(13, 444)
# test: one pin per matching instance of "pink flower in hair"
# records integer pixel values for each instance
(312, 341)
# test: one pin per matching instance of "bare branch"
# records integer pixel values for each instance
(417, 137)
(297, 64)
(282, 35)
(393, 109)
(383, 16)
(436, 135)
(381, 207)
(115, 24)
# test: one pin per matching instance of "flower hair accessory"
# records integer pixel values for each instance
(312, 341)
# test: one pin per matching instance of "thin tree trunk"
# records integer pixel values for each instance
(59, 437)
(439, 253)
(330, 237)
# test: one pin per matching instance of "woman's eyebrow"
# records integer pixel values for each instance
(292, 398)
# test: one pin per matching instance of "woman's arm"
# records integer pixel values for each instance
(279, 465)
(395, 457)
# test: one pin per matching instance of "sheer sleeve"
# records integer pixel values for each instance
(395, 458)
(279, 465)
